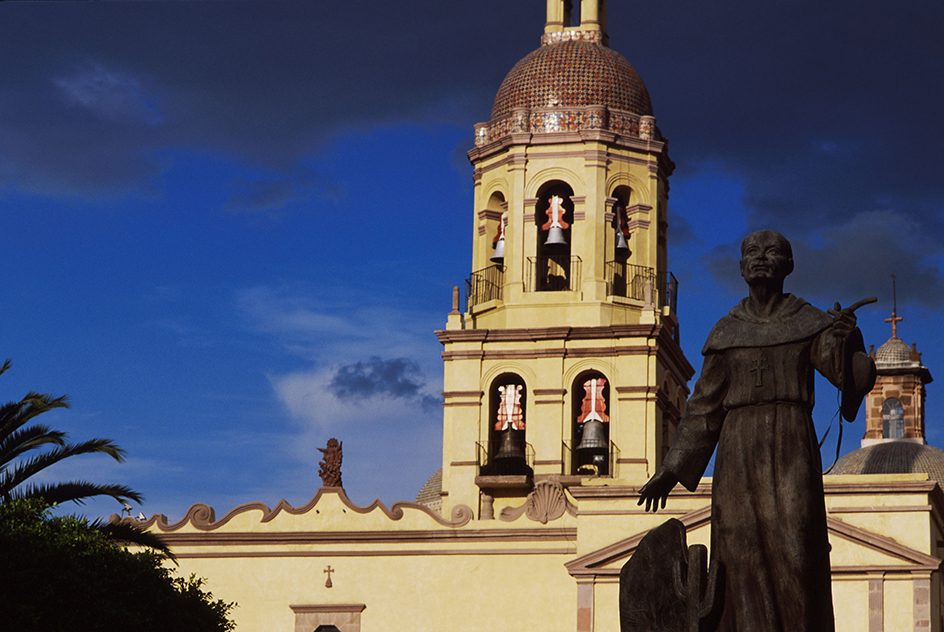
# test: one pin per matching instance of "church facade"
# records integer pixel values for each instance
(563, 384)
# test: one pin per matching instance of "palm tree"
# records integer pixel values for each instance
(17, 439)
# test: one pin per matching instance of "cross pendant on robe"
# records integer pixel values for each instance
(758, 366)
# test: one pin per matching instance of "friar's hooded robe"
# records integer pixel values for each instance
(754, 401)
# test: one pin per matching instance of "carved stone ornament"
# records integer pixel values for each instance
(330, 467)
(545, 503)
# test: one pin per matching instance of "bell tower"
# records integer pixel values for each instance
(895, 406)
(564, 363)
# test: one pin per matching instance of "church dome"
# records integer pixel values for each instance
(894, 457)
(574, 73)
(895, 351)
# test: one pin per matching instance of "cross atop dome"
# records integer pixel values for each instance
(563, 23)
(894, 320)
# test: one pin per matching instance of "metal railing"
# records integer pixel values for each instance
(628, 280)
(484, 285)
(572, 465)
(484, 456)
(670, 292)
(558, 273)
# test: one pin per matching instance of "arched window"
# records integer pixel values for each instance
(507, 426)
(591, 425)
(552, 269)
(893, 419)
(327, 628)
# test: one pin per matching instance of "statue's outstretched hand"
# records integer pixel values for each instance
(844, 320)
(657, 489)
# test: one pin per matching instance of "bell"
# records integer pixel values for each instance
(510, 445)
(593, 447)
(509, 459)
(499, 255)
(621, 245)
(555, 237)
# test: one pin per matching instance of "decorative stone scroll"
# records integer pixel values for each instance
(545, 503)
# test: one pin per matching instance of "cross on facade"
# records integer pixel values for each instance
(329, 570)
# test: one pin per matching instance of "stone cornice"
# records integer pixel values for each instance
(312, 538)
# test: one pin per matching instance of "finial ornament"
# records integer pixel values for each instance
(330, 470)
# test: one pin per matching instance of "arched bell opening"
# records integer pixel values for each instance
(893, 419)
(507, 448)
(486, 283)
(591, 425)
(496, 223)
(622, 278)
(553, 270)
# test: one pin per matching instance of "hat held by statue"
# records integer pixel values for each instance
(858, 375)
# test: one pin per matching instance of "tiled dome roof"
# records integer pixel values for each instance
(895, 351)
(894, 457)
(430, 494)
(573, 74)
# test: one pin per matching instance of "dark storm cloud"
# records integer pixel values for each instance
(98, 89)
(824, 110)
(399, 377)
(854, 261)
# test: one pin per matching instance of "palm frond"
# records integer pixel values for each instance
(74, 491)
(128, 533)
(22, 471)
(15, 415)
(25, 439)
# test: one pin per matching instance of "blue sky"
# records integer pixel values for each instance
(214, 211)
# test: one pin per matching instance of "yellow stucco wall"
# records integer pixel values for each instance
(412, 570)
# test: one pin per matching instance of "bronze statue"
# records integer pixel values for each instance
(330, 470)
(753, 400)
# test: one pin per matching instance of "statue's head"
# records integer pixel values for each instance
(766, 255)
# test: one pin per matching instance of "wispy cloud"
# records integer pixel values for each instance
(109, 93)
(338, 325)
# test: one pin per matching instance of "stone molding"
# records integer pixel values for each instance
(428, 536)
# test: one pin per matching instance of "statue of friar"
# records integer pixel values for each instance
(753, 401)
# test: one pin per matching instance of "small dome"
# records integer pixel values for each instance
(894, 457)
(573, 73)
(430, 494)
(894, 352)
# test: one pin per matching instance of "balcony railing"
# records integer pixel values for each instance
(553, 274)
(671, 292)
(484, 285)
(573, 464)
(485, 457)
(629, 280)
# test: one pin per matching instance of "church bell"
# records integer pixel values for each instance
(555, 237)
(510, 458)
(510, 444)
(621, 245)
(499, 255)
(593, 448)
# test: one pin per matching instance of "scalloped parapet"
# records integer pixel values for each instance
(329, 509)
